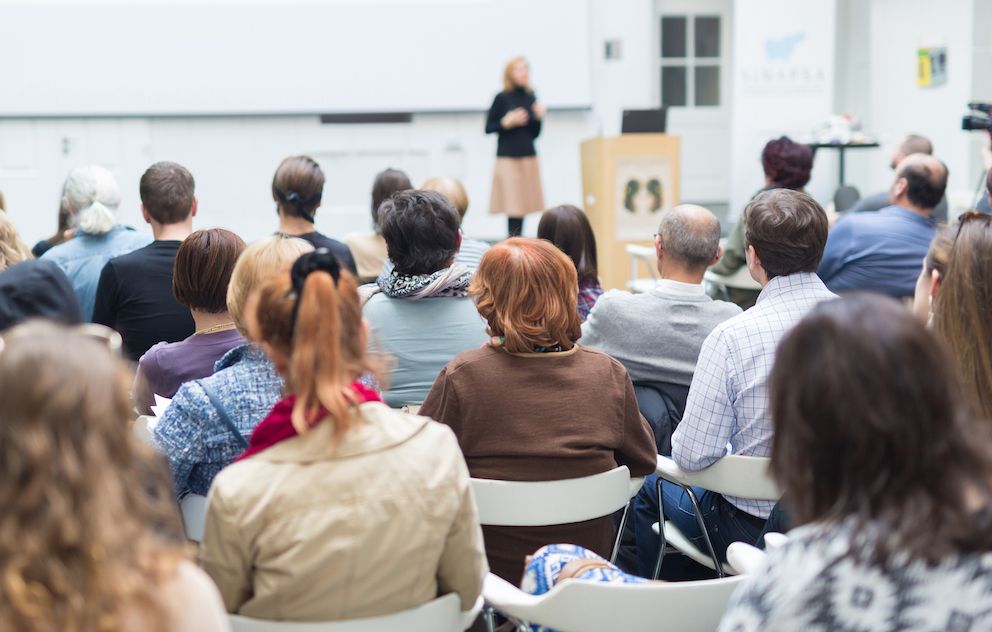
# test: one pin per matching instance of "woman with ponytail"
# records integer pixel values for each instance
(297, 189)
(341, 507)
(91, 197)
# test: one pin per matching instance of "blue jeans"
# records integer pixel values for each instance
(724, 522)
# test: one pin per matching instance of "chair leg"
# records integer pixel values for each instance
(623, 524)
(706, 534)
(489, 615)
(662, 544)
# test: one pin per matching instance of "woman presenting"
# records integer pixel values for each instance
(516, 116)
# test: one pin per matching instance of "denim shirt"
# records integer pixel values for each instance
(191, 434)
(82, 259)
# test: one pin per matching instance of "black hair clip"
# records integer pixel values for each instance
(321, 260)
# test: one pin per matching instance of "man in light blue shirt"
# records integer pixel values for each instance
(785, 233)
(881, 251)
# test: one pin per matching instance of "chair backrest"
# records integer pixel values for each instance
(845, 197)
(741, 476)
(744, 558)
(440, 615)
(582, 606)
(193, 508)
(535, 504)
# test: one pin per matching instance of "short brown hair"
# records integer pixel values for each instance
(298, 186)
(421, 231)
(788, 231)
(203, 267)
(527, 291)
(869, 426)
(451, 189)
(166, 191)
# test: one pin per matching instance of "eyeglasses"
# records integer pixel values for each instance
(964, 218)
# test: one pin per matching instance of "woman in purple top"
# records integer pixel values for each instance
(200, 277)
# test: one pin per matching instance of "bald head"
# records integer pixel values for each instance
(920, 182)
(689, 236)
(912, 144)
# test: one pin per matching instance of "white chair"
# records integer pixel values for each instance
(647, 256)
(585, 606)
(193, 508)
(741, 476)
(747, 559)
(739, 280)
(440, 615)
(543, 503)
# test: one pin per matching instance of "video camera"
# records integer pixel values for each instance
(980, 117)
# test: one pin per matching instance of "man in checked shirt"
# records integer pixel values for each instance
(785, 234)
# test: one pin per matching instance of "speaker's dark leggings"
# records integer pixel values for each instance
(515, 226)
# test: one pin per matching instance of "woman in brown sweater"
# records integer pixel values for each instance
(533, 405)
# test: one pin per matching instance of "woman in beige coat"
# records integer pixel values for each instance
(341, 507)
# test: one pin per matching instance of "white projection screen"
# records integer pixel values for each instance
(222, 57)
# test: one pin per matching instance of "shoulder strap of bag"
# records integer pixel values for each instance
(222, 412)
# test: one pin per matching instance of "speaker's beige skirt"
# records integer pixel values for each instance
(516, 187)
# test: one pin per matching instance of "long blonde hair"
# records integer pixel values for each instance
(508, 84)
(89, 530)
(12, 247)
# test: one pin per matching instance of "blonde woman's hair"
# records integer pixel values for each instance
(508, 85)
(89, 531)
(451, 189)
(258, 263)
(92, 196)
(12, 248)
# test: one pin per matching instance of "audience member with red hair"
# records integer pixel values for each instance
(341, 507)
(533, 405)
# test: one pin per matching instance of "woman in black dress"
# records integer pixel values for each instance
(516, 116)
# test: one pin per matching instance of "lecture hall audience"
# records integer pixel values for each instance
(201, 275)
(567, 227)
(341, 507)
(880, 251)
(91, 534)
(91, 197)
(533, 405)
(205, 426)
(419, 312)
(785, 232)
(369, 249)
(288, 375)
(892, 486)
(134, 294)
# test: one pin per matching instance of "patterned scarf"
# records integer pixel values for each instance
(451, 281)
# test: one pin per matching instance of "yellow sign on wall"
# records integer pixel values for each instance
(931, 66)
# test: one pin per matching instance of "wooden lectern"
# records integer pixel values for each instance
(626, 182)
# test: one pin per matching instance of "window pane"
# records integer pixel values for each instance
(673, 37)
(707, 37)
(707, 85)
(673, 85)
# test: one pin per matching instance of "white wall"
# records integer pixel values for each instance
(233, 158)
(780, 89)
(899, 107)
